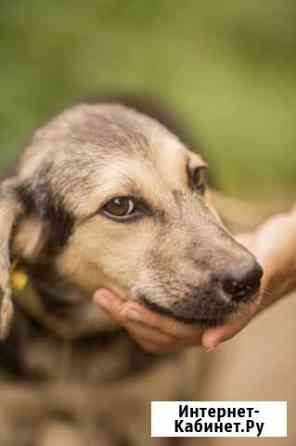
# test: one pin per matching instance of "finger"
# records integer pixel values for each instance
(143, 322)
(128, 311)
(167, 325)
(149, 335)
(154, 336)
(214, 336)
(150, 347)
(155, 348)
(148, 338)
(112, 304)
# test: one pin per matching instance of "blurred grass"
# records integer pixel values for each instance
(228, 68)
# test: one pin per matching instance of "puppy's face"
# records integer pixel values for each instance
(126, 204)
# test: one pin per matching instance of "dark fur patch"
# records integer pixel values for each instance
(10, 361)
(202, 321)
(40, 200)
(165, 311)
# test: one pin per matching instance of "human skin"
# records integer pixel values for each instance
(274, 245)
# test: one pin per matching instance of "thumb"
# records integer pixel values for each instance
(215, 336)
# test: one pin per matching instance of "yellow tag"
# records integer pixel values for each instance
(19, 279)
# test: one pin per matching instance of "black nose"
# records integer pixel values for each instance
(241, 281)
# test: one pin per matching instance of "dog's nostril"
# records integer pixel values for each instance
(242, 280)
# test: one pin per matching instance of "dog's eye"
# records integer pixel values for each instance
(120, 208)
(199, 179)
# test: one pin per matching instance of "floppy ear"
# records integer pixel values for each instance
(10, 210)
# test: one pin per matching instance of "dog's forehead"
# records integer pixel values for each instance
(102, 130)
(106, 149)
(107, 126)
(98, 130)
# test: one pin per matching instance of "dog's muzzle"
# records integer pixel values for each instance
(212, 304)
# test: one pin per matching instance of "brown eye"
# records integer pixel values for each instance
(199, 179)
(119, 207)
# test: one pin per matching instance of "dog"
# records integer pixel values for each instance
(105, 196)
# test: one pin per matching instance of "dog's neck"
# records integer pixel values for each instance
(59, 306)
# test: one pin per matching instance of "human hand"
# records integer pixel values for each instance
(153, 332)
(156, 333)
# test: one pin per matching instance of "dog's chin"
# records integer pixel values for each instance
(218, 317)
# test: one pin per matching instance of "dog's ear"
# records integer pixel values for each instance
(10, 210)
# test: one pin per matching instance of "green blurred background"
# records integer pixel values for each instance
(227, 67)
